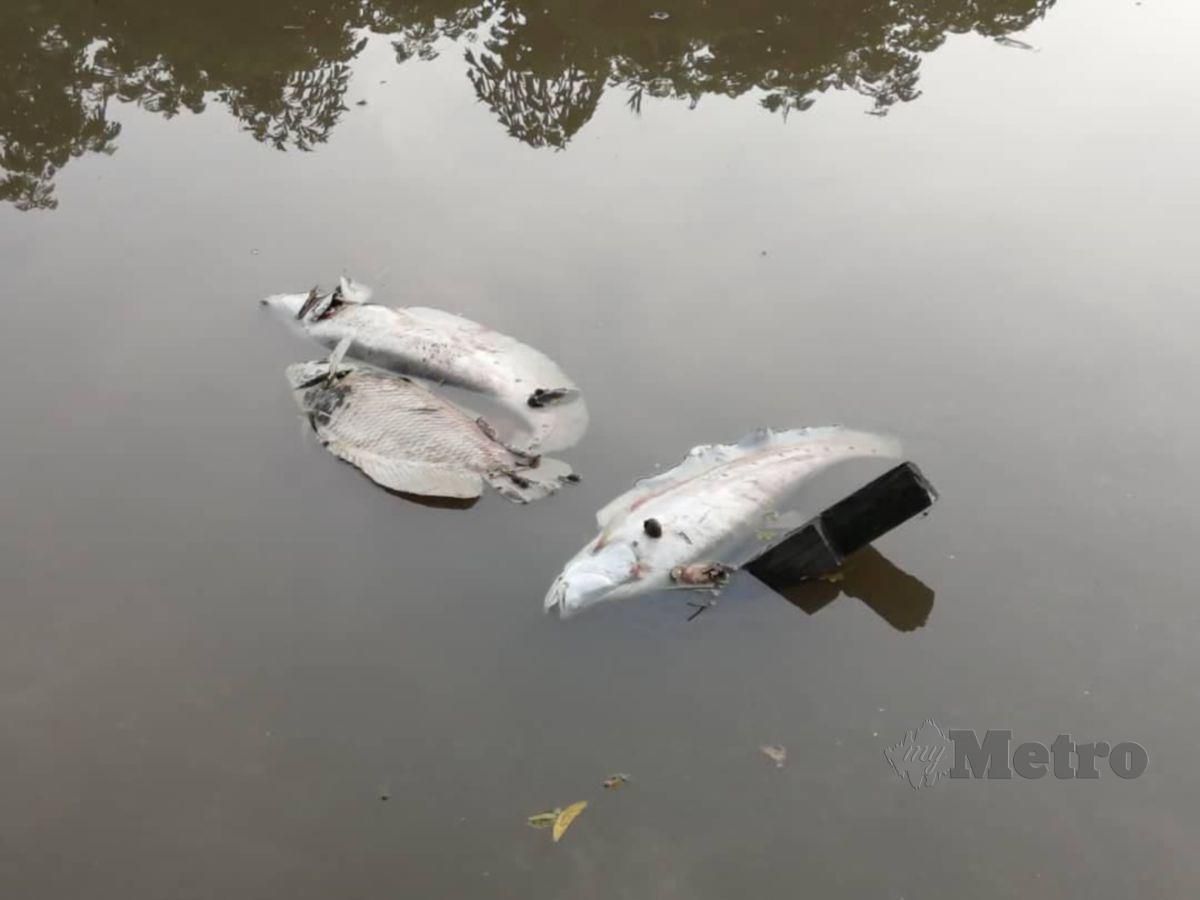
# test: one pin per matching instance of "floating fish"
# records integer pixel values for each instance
(407, 439)
(691, 526)
(447, 349)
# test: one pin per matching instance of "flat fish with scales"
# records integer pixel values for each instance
(407, 439)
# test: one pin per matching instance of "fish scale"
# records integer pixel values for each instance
(407, 439)
(396, 417)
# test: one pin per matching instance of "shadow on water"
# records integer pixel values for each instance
(434, 502)
(282, 68)
(900, 599)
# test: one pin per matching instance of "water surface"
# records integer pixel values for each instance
(221, 648)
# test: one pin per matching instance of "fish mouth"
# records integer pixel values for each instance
(563, 603)
(569, 596)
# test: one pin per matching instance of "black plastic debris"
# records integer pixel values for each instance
(820, 546)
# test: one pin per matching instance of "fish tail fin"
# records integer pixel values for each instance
(524, 484)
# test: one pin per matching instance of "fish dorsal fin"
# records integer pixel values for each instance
(839, 443)
(310, 303)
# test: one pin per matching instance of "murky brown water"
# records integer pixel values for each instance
(220, 648)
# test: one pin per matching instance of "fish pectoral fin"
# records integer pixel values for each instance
(409, 476)
(309, 302)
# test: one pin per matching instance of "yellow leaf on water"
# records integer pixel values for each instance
(544, 820)
(566, 817)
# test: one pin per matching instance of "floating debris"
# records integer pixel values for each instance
(544, 819)
(612, 782)
(777, 753)
(709, 508)
(566, 817)
(407, 439)
(818, 549)
(660, 16)
(443, 348)
(558, 819)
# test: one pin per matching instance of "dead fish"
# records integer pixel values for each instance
(446, 349)
(708, 511)
(407, 439)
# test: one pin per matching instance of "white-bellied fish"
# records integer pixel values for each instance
(447, 349)
(691, 526)
(407, 439)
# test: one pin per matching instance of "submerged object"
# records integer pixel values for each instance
(692, 525)
(407, 439)
(447, 349)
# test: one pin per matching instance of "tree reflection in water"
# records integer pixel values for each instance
(282, 67)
